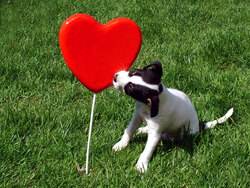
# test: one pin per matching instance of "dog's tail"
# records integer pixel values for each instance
(211, 124)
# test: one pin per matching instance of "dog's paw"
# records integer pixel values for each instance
(120, 145)
(142, 130)
(141, 166)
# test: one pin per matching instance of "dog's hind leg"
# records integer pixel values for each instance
(142, 130)
(168, 136)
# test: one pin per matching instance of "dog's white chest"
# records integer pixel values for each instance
(143, 111)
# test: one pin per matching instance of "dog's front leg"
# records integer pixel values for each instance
(135, 123)
(153, 140)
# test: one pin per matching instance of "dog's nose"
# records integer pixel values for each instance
(115, 78)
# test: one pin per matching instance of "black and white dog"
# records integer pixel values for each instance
(165, 111)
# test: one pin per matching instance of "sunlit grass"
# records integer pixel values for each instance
(45, 111)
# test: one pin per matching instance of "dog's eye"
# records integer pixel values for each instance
(132, 73)
(130, 85)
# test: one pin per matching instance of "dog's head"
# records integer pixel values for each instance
(143, 85)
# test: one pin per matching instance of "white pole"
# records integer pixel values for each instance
(90, 131)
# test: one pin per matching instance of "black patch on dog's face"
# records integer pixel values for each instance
(138, 92)
(145, 95)
(142, 93)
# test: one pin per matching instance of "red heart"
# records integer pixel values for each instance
(95, 52)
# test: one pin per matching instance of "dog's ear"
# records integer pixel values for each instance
(156, 66)
(153, 103)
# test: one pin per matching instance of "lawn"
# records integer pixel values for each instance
(45, 111)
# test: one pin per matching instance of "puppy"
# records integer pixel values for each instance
(165, 111)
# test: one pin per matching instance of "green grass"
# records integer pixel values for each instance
(45, 111)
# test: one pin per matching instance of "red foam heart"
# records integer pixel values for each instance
(95, 52)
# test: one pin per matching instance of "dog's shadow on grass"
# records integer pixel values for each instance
(188, 143)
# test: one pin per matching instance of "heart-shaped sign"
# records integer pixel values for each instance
(95, 52)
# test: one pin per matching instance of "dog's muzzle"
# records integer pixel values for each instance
(117, 85)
